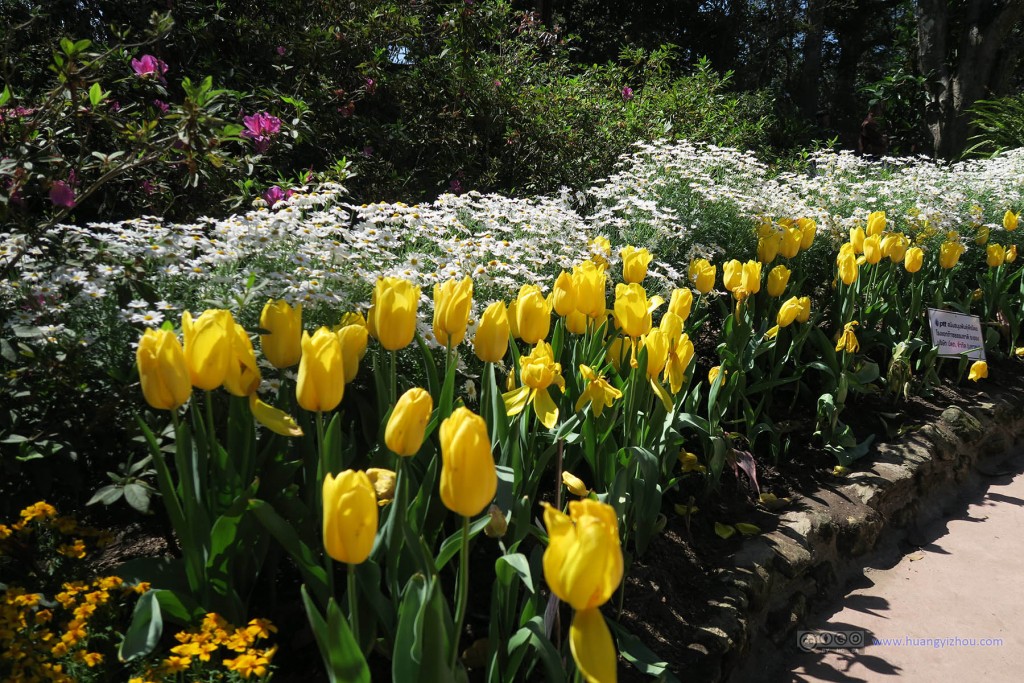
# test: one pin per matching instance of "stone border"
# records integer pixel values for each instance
(824, 539)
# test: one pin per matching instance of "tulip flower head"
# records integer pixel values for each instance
(634, 264)
(680, 354)
(791, 239)
(681, 303)
(1011, 220)
(599, 393)
(350, 516)
(808, 230)
(452, 303)
(713, 374)
(469, 478)
(995, 255)
(491, 340)
(894, 246)
(321, 382)
(600, 251)
(538, 371)
(778, 278)
(282, 345)
(788, 312)
(703, 274)
(208, 346)
(981, 237)
(633, 309)
(979, 370)
(162, 370)
(857, 239)
(913, 259)
(408, 422)
(873, 249)
(847, 263)
(583, 562)
(393, 312)
(876, 223)
(243, 375)
(384, 484)
(563, 294)
(1011, 253)
(354, 339)
(769, 245)
(533, 314)
(949, 254)
(589, 279)
(575, 484)
(848, 340)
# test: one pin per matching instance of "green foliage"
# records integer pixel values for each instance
(999, 125)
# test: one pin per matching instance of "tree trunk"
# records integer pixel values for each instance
(810, 72)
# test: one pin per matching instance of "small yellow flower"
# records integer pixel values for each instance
(599, 393)
(575, 484)
(979, 370)
(848, 340)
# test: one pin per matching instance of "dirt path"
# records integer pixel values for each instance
(949, 610)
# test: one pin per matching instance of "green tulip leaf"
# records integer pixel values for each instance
(724, 531)
(748, 529)
(144, 632)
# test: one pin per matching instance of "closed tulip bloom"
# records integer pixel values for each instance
(672, 326)
(778, 278)
(408, 422)
(703, 274)
(913, 260)
(350, 516)
(599, 393)
(873, 249)
(590, 279)
(894, 246)
(633, 309)
(394, 312)
(768, 246)
(576, 322)
(491, 341)
(618, 352)
(995, 255)
(208, 343)
(583, 562)
(1011, 253)
(469, 479)
(981, 237)
(1011, 220)
(808, 230)
(681, 303)
(353, 339)
(791, 239)
(243, 376)
(656, 342)
(513, 326)
(750, 282)
(713, 374)
(634, 264)
(805, 310)
(533, 314)
(847, 262)
(162, 369)
(321, 381)
(857, 240)
(452, 303)
(282, 346)
(732, 275)
(788, 312)
(680, 354)
(876, 223)
(979, 370)
(563, 295)
(949, 254)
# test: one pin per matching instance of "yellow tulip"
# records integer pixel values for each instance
(533, 314)
(1011, 253)
(1011, 220)
(894, 246)
(913, 260)
(656, 342)
(574, 484)
(680, 354)
(778, 278)
(452, 303)
(995, 255)
(321, 382)
(599, 393)
(590, 278)
(634, 264)
(791, 239)
(873, 249)
(713, 374)
(876, 223)
(563, 295)
(788, 312)
(583, 561)
(949, 254)
(469, 479)
(576, 322)
(207, 348)
(703, 274)
(600, 251)
(672, 326)
(808, 230)
(384, 483)
(162, 370)
(350, 516)
(408, 422)
(979, 370)
(848, 340)
(768, 246)
(981, 238)
(805, 309)
(538, 371)
(282, 346)
(393, 312)
(353, 340)
(491, 341)
(592, 647)
(243, 375)
(732, 275)
(847, 261)
(513, 326)
(857, 239)
(618, 352)
(632, 310)
(272, 418)
(681, 303)
(750, 281)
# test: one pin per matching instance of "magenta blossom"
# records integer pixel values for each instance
(161, 106)
(150, 67)
(62, 194)
(275, 194)
(260, 128)
(280, 50)
(371, 86)
(627, 94)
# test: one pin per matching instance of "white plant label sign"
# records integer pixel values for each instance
(956, 334)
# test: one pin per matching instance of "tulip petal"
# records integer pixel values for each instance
(547, 411)
(592, 647)
(666, 400)
(516, 399)
(273, 419)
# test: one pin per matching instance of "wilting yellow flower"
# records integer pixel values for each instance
(1011, 220)
(995, 255)
(808, 229)
(857, 239)
(208, 346)
(533, 314)
(575, 484)
(848, 340)
(805, 310)
(350, 516)
(243, 375)
(600, 250)
(408, 422)
(452, 303)
(592, 647)
(979, 370)
(788, 312)
(354, 339)
(876, 223)
(634, 264)
(538, 371)
(576, 322)
(913, 260)
(583, 561)
(590, 278)
(1019, 351)
(384, 482)
(282, 345)
(689, 462)
(272, 418)
(1011, 253)
(981, 237)
(469, 479)
(949, 254)
(491, 341)
(681, 302)
(162, 370)
(599, 392)
(393, 312)
(791, 239)
(633, 310)
(703, 274)
(768, 246)
(732, 275)
(321, 382)
(680, 353)
(713, 374)
(894, 246)
(778, 278)
(563, 295)
(847, 262)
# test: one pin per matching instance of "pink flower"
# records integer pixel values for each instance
(371, 86)
(161, 106)
(150, 67)
(148, 187)
(280, 50)
(627, 94)
(61, 194)
(273, 195)
(260, 128)
(455, 186)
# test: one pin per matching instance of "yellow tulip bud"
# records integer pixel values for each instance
(732, 275)
(563, 295)
(633, 310)
(995, 255)
(600, 250)
(808, 230)
(1011, 220)
(408, 422)
(788, 312)
(353, 339)
(873, 249)
(656, 342)
(768, 246)
(589, 279)
(894, 246)
(574, 484)
(393, 312)
(805, 310)
(703, 274)
(750, 282)
(778, 278)
(350, 516)
(452, 303)
(583, 561)
(243, 376)
(713, 374)
(469, 479)
(913, 260)
(162, 370)
(208, 344)
(634, 264)
(491, 341)
(847, 261)
(876, 223)
(282, 346)
(680, 354)
(321, 381)
(979, 370)
(857, 239)
(949, 254)
(791, 239)
(981, 238)
(672, 326)
(681, 302)
(533, 314)
(1011, 253)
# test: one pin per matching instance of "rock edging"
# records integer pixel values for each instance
(823, 539)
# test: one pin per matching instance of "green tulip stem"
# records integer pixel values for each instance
(322, 460)
(393, 379)
(463, 596)
(353, 604)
